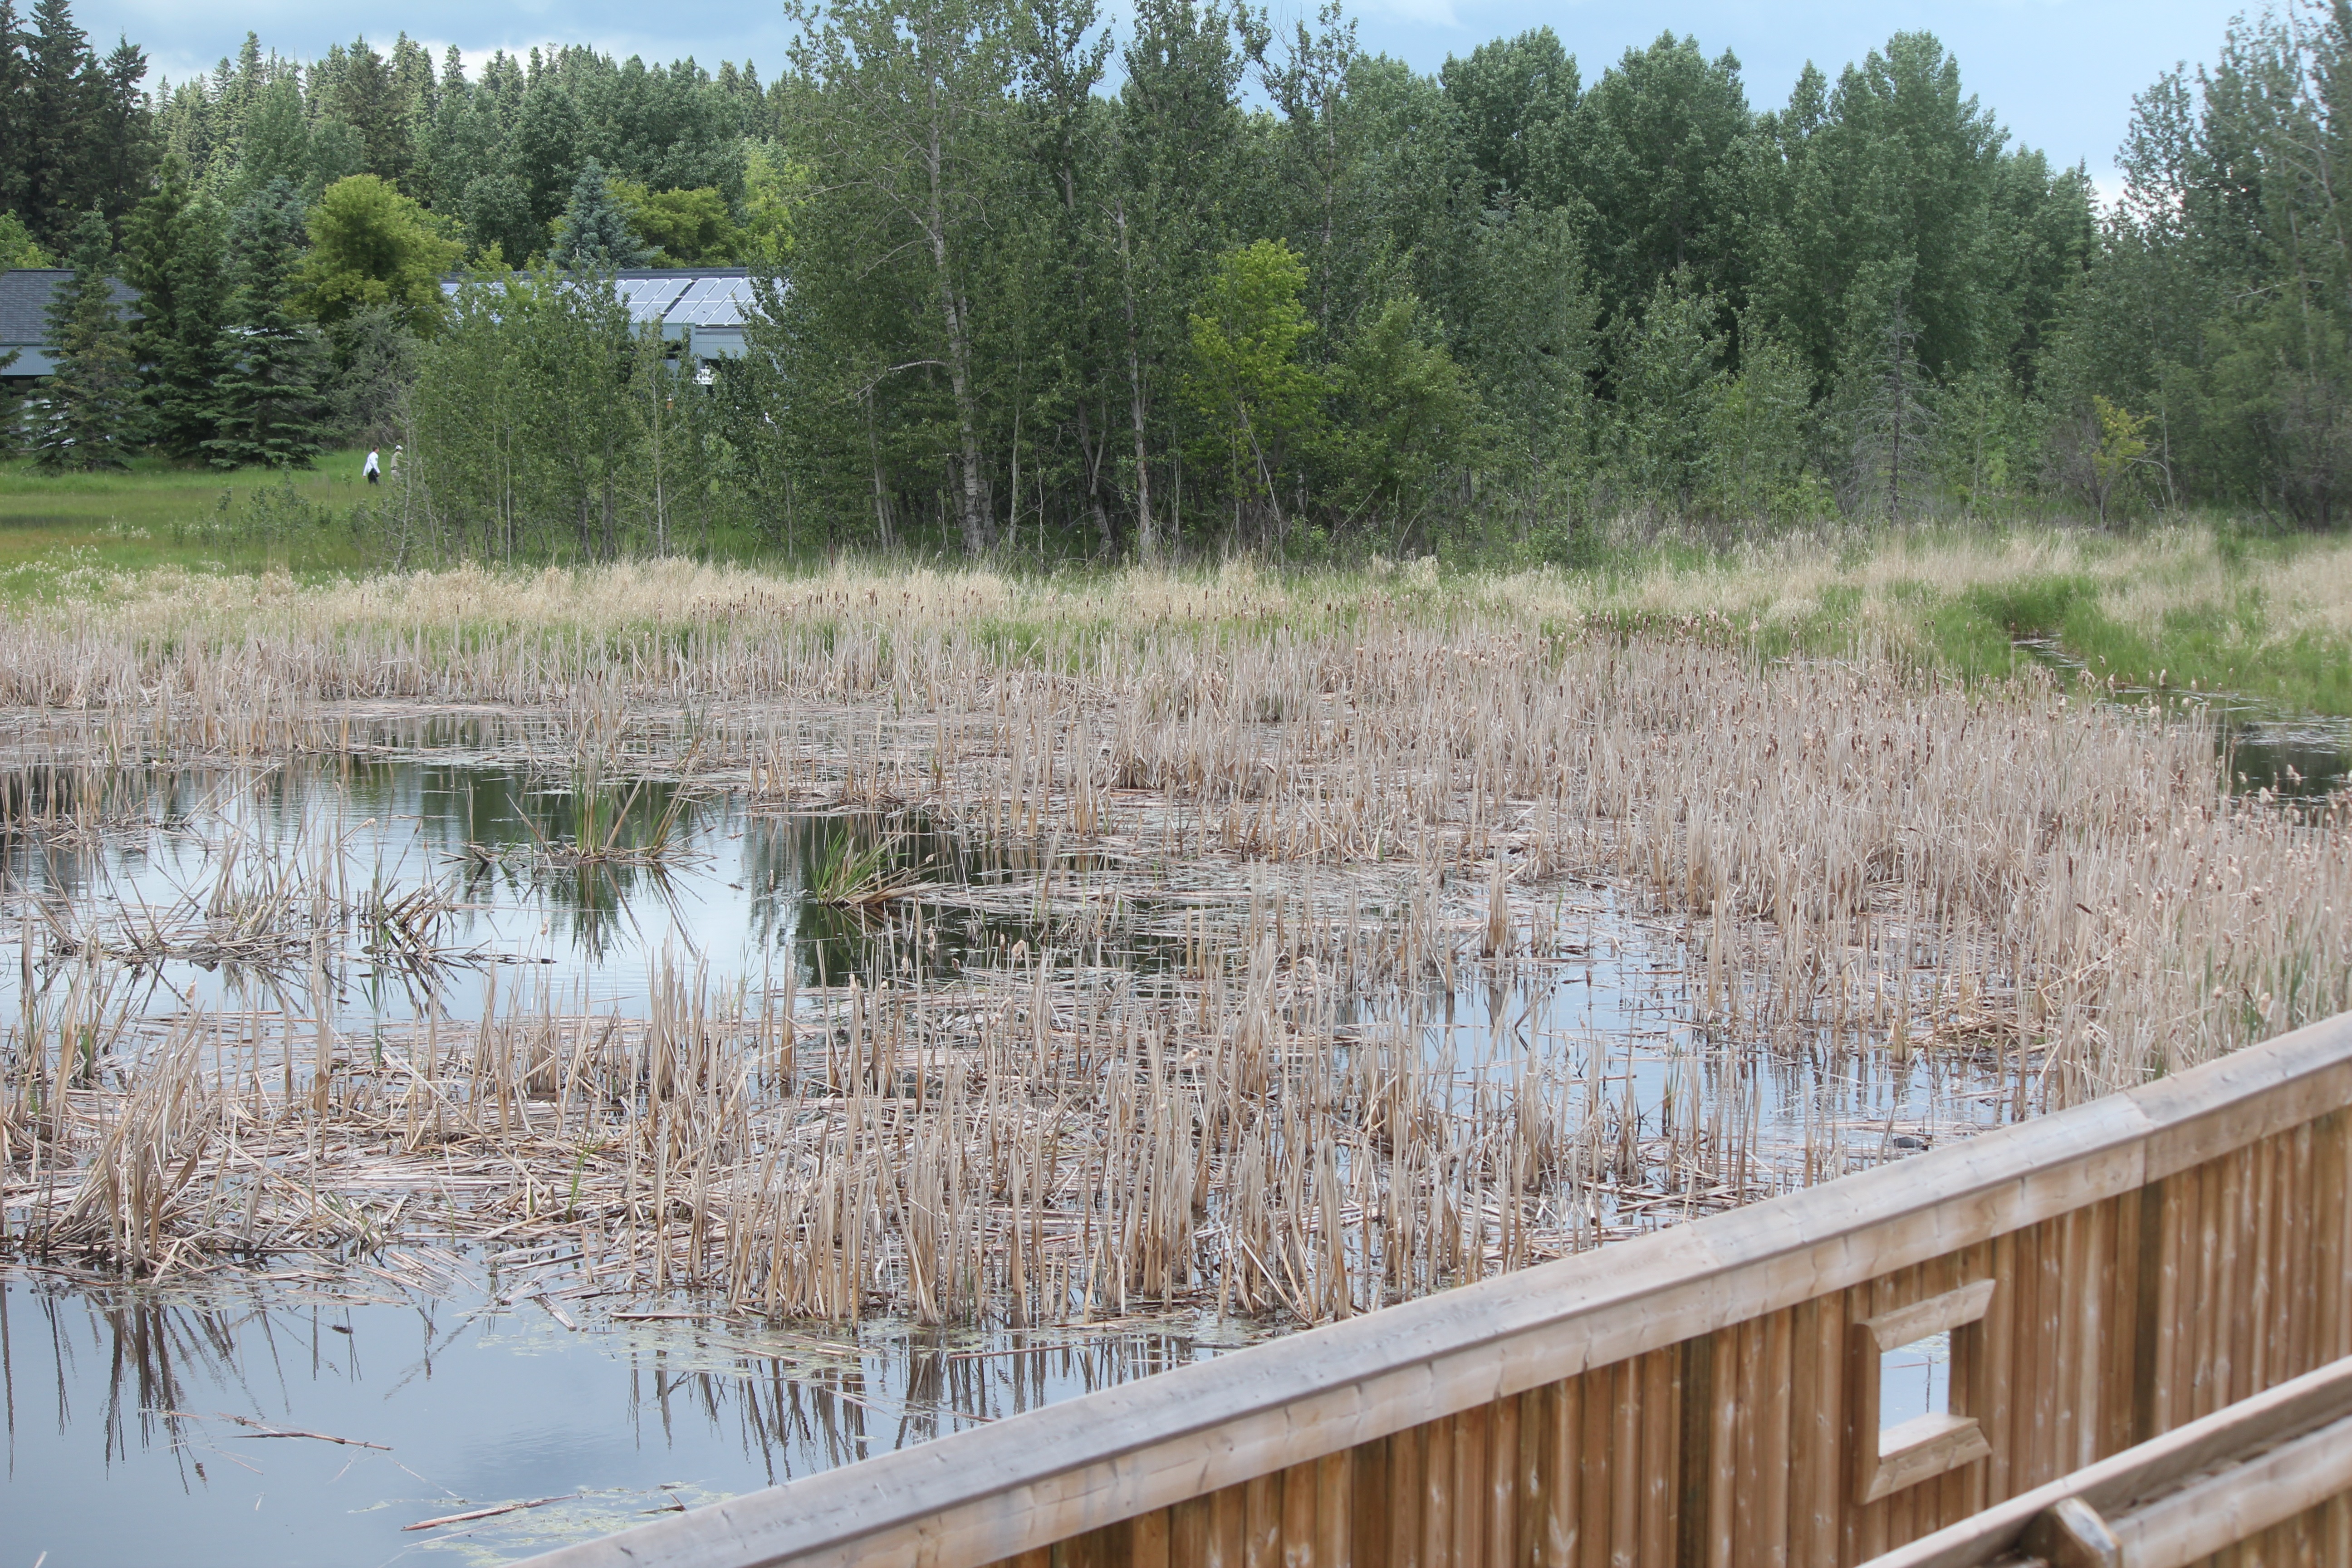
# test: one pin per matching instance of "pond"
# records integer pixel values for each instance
(323, 1394)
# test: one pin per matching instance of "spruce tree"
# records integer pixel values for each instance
(594, 234)
(175, 255)
(93, 416)
(273, 408)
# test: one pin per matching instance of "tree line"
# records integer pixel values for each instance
(1208, 284)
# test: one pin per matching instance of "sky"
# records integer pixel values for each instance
(2059, 73)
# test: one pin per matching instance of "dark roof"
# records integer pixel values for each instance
(25, 295)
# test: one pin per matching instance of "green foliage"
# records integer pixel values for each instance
(1669, 384)
(371, 246)
(773, 189)
(543, 426)
(685, 229)
(1760, 434)
(1409, 426)
(1269, 292)
(92, 417)
(17, 247)
(272, 405)
(594, 233)
(175, 255)
(1261, 408)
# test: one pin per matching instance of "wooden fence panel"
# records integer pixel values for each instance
(1705, 1396)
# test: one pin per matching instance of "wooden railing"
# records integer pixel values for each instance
(1704, 1395)
(2269, 1476)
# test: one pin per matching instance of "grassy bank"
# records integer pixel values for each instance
(2184, 607)
(165, 514)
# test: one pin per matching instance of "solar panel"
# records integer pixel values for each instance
(713, 302)
(650, 299)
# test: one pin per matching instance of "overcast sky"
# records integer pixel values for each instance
(2059, 73)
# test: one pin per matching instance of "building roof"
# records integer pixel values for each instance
(711, 300)
(25, 295)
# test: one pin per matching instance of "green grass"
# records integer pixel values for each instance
(165, 514)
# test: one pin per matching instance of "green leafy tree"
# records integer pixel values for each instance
(17, 247)
(906, 127)
(593, 235)
(773, 190)
(1514, 99)
(1409, 424)
(93, 417)
(1760, 434)
(1669, 378)
(687, 228)
(496, 210)
(1657, 152)
(371, 246)
(273, 407)
(1261, 407)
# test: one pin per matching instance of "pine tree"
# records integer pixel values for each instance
(594, 233)
(93, 417)
(272, 405)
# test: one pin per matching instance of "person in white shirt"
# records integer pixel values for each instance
(375, 473)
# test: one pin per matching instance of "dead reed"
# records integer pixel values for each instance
(1322, 820)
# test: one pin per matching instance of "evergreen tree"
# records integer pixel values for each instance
(593, 235)
(272, 405)
(15, 84)
(1891, 417)
(93, 415)
(59, 91)
(175, 255)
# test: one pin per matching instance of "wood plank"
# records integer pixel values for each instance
(1502, 1489)
(1261, 1521)
(1335, 1511)
(1562, 1521)
(1301, 1490)
(1056, 1473)
(2238, 1503)
(1149, 1540)
(1939, 1313)
(1922, 1447)
(2321, 1400)
(1770, 1545)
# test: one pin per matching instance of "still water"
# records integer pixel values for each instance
(199, 1427)
(197, 1423)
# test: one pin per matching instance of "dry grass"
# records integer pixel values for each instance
(1866, 869)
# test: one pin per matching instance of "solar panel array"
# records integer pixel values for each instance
(650, 299)
(713, 304)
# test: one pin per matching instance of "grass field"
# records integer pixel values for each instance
(2191, 607)
(162, 514)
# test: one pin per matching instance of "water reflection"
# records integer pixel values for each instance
(411, 877)
(263, 1425)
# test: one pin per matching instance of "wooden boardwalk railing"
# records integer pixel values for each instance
(2268, 1479)
(1704, 1395)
